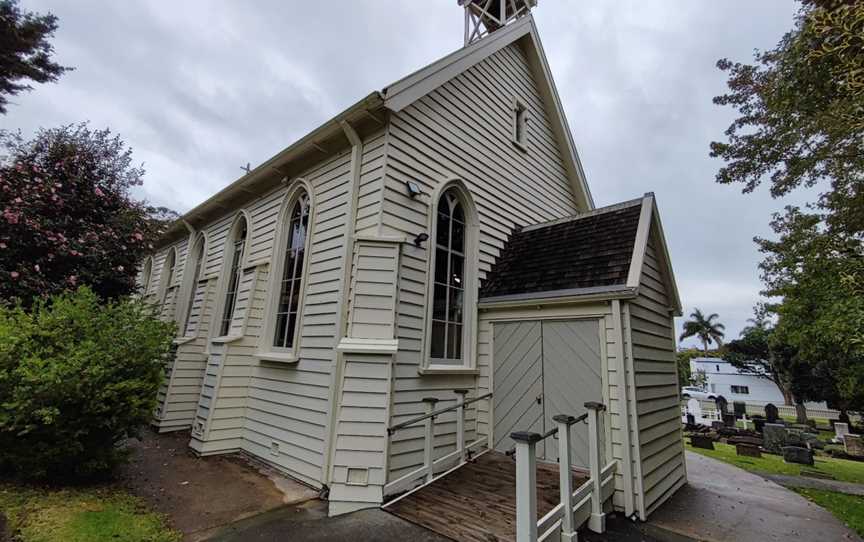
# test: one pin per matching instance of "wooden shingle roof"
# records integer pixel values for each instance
(593, 250)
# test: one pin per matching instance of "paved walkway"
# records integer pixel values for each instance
(848, 488)
(723, 503)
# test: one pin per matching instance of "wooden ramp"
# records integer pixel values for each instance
(477, 502)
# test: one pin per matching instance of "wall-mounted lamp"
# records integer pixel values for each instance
(420, 239)
(413, 189)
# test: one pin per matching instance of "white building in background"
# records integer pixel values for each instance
(722, 378)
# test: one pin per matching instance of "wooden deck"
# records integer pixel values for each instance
(477, 503)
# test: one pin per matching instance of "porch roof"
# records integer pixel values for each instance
(588, 252)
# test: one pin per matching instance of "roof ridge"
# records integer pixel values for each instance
(586, 214)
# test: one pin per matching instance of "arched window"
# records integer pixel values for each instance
(237, 248)
(292, 258)
(168, 270)
(196, 262)
(448, 297)
(146, 273)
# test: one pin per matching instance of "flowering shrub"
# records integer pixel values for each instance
(67, 216)
(77, 378)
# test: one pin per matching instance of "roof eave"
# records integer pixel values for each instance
(555, 297)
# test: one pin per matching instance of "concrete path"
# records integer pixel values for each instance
(817, 483)
(723, 503)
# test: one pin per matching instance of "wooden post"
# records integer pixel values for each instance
(428, 455)
(526, 485)
(460, 424)
(597, 520)
(568, 528)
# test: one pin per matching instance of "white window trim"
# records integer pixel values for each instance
(520, 118)
(222, 286)
(164, 284)
(190, 284)
(266, 350)
(472, 244)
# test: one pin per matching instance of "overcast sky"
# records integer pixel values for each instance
(199, 88)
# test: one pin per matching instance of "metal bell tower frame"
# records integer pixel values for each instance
(482, 17)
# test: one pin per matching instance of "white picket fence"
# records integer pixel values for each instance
(709, 406)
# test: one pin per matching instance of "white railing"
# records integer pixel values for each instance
(575, 507)
(709, 406)
(433, 468)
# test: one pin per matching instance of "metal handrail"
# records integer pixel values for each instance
(392, 429)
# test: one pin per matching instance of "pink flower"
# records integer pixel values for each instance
(2, 245)
(138, 236)
(14, 274)
(72, 279)
(99, 192)
(36, 267)
(120, 268)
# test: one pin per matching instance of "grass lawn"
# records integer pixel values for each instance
(847, 508)
(840, 469)
(80, 515)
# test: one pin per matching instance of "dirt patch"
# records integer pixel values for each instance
(200, 494)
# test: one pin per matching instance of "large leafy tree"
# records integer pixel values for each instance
(25, 52)
(706, 328)
(67, 216)
(801, 124)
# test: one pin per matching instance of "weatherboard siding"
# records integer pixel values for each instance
(462, 130)
(651, 330)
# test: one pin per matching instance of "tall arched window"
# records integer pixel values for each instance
(197, 261)
(168, 270)
(448, 297)
(290, 287)
(238, 246)
(146, 273)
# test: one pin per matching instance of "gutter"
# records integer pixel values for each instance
(215, 203)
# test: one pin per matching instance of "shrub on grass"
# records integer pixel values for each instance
(77, 378)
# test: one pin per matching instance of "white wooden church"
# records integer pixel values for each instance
(434, 248)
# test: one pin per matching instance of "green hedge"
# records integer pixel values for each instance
(77, 378)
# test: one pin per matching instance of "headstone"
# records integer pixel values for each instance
(701, 441)
(812, 441)
(694, 407)
(740, 409)
(722, 404)
(772, 413)
(840, 430)
(717, 426)
(691, 419)
(797, 454)
(758, 424)
(844, 417)
(854, 445)
(729, 420)
(744, 439)
(748, 450)
(775, 436)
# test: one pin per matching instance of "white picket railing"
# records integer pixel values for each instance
(709, 406)
(575, 507)
(433, 468)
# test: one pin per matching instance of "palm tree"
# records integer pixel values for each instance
(703, 327)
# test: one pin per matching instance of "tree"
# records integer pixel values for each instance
(25, 53)
(67, 216)
(703, 327)
(685, 376)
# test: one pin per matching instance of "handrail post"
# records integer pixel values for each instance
(460, 423)
(428, 459)
(565, 475)
(597, 520)
(526, 485)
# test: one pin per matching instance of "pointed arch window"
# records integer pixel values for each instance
(168, 270)
(238, 248)
(448, 298)
(197, 262)
(293, 257)
(146, 274)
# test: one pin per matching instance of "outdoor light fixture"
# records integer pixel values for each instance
(413, 189)
(420, 239)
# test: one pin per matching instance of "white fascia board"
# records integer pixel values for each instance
(667, 261)
(640, 245)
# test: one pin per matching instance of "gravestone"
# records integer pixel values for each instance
(758, 424)
(744, 439)
(840, 430)
(772, 413)
(747, 450)
(794, 438)
(722, 404)
(701, 441)
(812, 441)
(844, 417)
(740, 409)
(691, 419)
(797, 454)
(717, 426)
(695, 407)
(729, 420)
(775, 436)
(854, 445)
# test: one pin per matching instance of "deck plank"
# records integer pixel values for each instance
(477, 503)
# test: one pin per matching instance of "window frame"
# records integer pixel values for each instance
(167, 275)
(146, 276)
(267, 350)
(519, 124)
(229, 243)
(739, 389)
(192, 275)
(429, 364)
